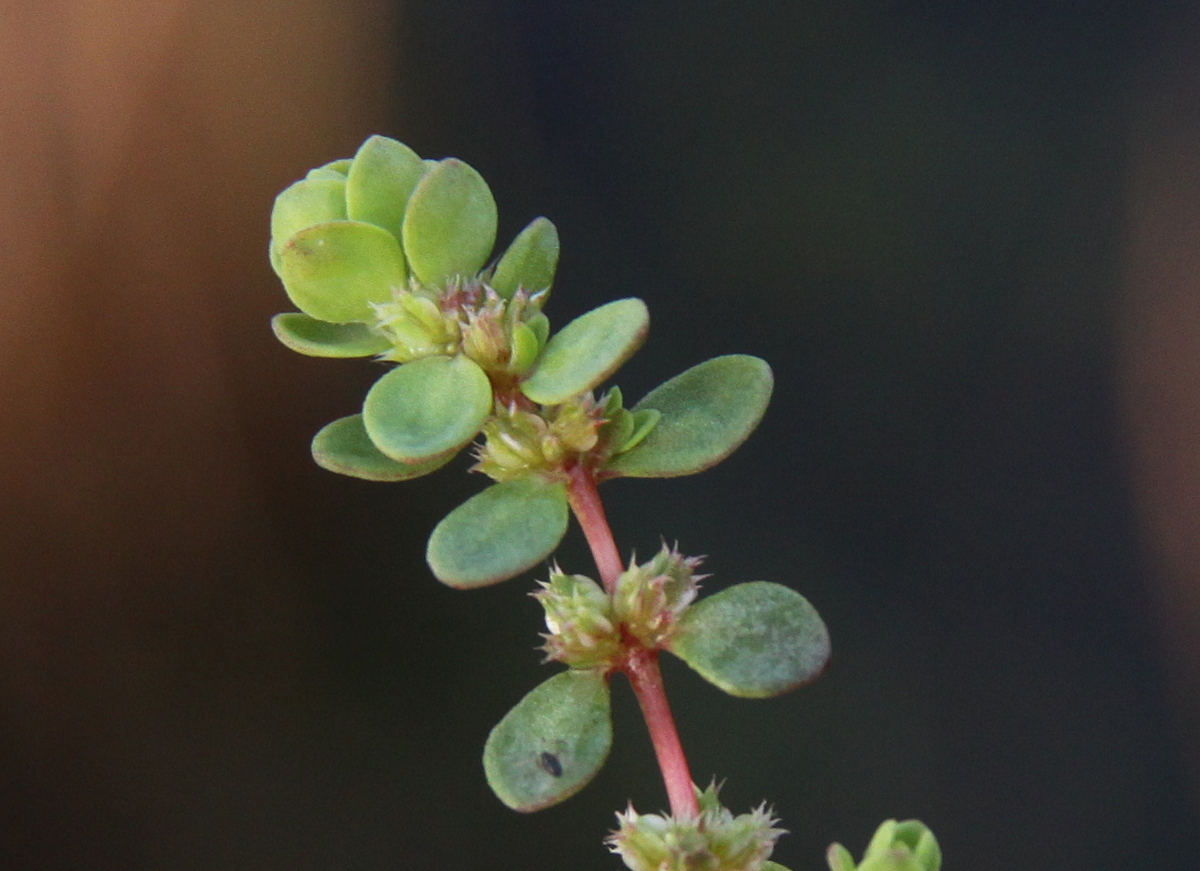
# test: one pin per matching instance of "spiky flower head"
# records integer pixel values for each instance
(579, 619)
(518, 441)
(715, 840)
(650, 597)
(465, 316)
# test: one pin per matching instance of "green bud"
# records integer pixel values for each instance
(518, 442)
(895, 846)
(650, 597)
(512, 445)
(839, 858)
(416, 326)
(582, 633)
(715, 840)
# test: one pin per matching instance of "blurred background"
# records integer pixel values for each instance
(965, 235)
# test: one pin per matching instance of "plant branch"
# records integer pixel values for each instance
(589, 511)
(641, 664)
(644, 675)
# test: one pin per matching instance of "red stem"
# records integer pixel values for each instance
(641, 667)
(641, 664)
(589, 511)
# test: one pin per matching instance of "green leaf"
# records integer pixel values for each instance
(306, 203)
(525, 349)
(587, 350)
(775, 866)
(707, 412)
(839, 859)
(498, 533)
(530, 260)
(427, 408)
(450, 225)
(335, 169)
(344, 447)
(334, 271)
(644, 421)
(552, 743)
(315, 338)
(382, 178)
(903, 846)
(540, 325)
(753, 640)
(896, 860)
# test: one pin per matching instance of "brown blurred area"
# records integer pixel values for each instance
(196, 665)
(1160, 351)
(144, 594)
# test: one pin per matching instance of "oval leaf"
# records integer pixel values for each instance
(450, 225)
(530, 260)
(334, 271)
(498, 533)
(588, 350)
(753, 640)
(427, 408)
(305, 203)
(337, 169)
(839, 859)
(552, 743)
(344, 447)
(315, 338)
(707, 412)
(382, 178)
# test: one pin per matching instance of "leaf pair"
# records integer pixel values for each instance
(704, 415)
(752, 640)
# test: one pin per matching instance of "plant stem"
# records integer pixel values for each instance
(641, 667)
(641, 664)
(589, 511)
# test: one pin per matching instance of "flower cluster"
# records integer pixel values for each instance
(580, 622)
(518, 441)
(652, 596)
(715, 840)
(589, 628)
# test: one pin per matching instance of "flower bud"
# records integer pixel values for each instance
(651, 597)
(416, 326)
(715, 840)
(579, 619)
(518, 442)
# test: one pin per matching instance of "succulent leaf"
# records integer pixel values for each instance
(382, 177)
(552, 743)
(587, 351)
(753, 640)
(344, 447)
(706, 414)
(497, 534)
(450, 225)
(540, 324)
(310, 201)
(530, 260)
(428, 408)
(335, 271)
(307, 335)
(335, 169)
(902, 846)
